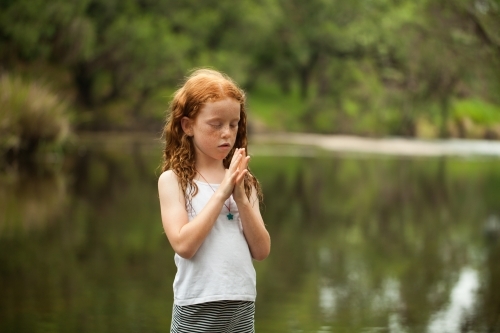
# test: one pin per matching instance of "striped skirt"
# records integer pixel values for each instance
(217, 317)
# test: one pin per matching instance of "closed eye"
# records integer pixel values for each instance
(216, 125)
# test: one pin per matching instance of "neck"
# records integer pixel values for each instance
(211, 173)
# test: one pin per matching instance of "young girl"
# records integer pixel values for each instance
(210, 207)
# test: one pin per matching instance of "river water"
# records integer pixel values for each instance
(360, 242)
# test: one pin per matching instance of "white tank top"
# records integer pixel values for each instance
(222, 267)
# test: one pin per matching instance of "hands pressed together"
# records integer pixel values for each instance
(233, 182)
(186, 238)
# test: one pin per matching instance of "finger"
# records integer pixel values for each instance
(229, 181)
(233, 176)
(241, 176)
(242, 161)
(245, 162)
(236, 155)
(235, 162)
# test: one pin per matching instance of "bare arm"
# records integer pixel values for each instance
(256, 234)
(255, 231)
(184, 236)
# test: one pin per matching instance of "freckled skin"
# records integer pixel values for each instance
(215, 125)
(213, 132)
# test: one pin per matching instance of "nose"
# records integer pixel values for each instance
(226, 131)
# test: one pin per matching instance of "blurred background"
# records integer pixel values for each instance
(379, 235)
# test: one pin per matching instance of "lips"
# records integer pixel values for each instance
(225, 145)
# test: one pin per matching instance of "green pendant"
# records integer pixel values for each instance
(229, 216)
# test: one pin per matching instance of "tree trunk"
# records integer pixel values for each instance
(324, 83)
(304, 82)
(284, 82)
(305, 73)
(84, 82)
(139, 103)
(445, 106)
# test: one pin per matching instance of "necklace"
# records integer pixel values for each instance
(229, 215)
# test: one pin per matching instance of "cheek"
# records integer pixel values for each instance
(210, 136)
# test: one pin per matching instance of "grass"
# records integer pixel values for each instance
(31, 116)
(268, 105)
(479, 111)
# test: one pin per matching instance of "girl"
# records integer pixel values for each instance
(210, 207)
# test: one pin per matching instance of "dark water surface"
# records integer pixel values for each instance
(359, 243)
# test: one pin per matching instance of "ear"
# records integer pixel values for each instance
(187, 125)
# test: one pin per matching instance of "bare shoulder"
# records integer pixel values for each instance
(170, 192)
(167, 178)
(168, 184)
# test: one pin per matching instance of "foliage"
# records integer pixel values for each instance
(480, 112)
(30, 115)
(371, 67)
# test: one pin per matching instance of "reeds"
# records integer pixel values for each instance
(30, 115)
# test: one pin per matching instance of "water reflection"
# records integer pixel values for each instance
(359, 244)
(30, 199)
(458, 311)
(379, 242)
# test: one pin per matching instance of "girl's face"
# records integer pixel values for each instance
(214, 128)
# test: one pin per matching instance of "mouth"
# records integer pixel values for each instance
(225, 145)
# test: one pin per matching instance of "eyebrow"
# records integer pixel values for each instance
(219, 118)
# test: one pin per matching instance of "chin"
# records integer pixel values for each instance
(221, 157)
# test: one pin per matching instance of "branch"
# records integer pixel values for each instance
(482, 33)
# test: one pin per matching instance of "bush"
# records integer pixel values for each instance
(30, 115)
(480, 112)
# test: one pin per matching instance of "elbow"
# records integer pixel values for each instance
(185, 254)
(185, 251)
(182, 247)
(262, 254)
(260, 257)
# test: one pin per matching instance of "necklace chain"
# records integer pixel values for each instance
(229, 215)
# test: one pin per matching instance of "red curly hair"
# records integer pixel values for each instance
(202, 86)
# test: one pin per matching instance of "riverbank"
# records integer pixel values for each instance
(310, 143)
(384, 146)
